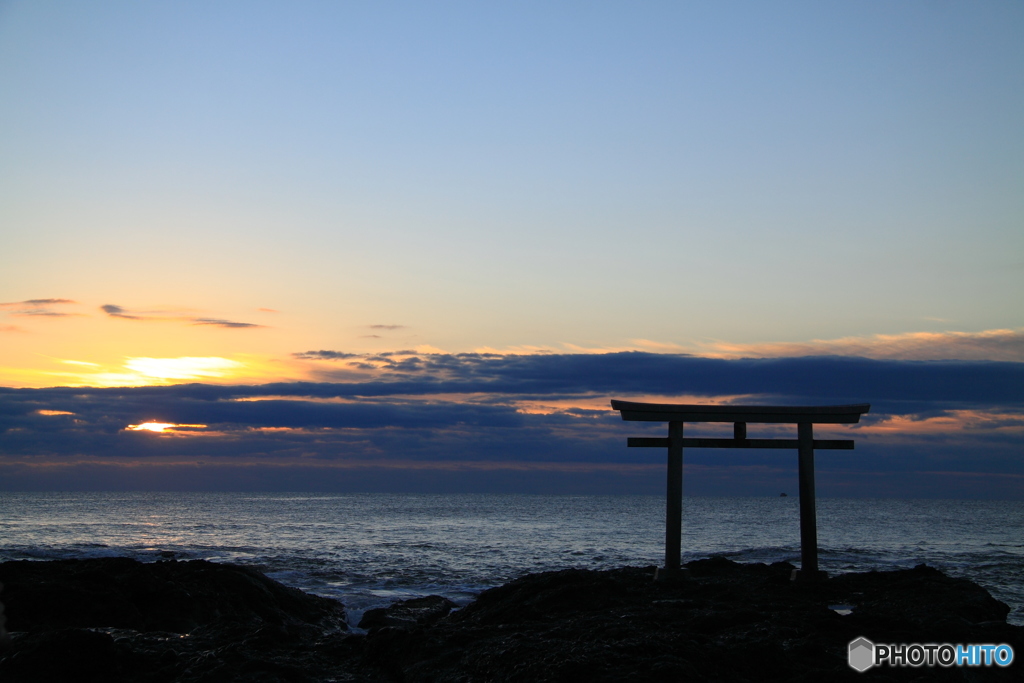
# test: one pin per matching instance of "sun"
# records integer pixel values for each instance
(150, 427)
(160, 427)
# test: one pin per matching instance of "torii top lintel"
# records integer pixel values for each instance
(674, 412)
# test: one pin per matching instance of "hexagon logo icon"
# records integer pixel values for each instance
(861, 655)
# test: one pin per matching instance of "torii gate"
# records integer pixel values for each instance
(805, 417)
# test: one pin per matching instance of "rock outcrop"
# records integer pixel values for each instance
(118, 620)
(115, 619)
(408, 614)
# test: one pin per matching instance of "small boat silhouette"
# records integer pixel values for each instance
(783, 495)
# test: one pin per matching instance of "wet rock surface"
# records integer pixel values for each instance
(119, 620)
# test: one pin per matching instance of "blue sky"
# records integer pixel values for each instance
(207, 191)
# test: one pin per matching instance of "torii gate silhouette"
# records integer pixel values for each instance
(805, 417)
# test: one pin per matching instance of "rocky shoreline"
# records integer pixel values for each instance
(115, 619)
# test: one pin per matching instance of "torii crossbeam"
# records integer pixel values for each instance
(805, 417)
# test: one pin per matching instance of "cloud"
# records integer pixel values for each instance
(326, 355)
(1005, 345)
(998, 344)
(835, 379)
(37, 302)
(893, 387)
(43, 312)
(38, 308)
(387, 327)
(223, 323)
(118, 312)
(927, 416)
(10, 328)
(115, 311)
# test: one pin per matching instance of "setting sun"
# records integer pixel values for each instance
(160, 427)
(149, 427)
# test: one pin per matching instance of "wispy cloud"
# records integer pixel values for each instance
(115, 311)
(999, 344)
(118, 312)
(223, 323)
(1002, 345)
(44, 313)
(10, 328)
(39, 308)
(387, 327)
(529, 350)
(37, 302)
(326, 355)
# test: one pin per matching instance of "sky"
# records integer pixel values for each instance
(419, 246)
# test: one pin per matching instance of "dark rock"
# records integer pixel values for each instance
(727, 622)
(70, 654)
(163, 596)
(117, 620)
(408, 614)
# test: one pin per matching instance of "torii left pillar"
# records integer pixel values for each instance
(674, 499)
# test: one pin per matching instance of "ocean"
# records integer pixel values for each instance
(369, 550)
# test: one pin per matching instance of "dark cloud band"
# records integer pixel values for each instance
(416, 408)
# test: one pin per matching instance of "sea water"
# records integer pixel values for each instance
(369, 550)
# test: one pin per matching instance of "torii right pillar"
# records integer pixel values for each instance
(808, 509)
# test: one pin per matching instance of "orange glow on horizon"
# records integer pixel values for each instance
(183, 368)
(951, 422)
(135, 371)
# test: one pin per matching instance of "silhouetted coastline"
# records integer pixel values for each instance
(115, 619)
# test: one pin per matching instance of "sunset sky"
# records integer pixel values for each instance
(419, 246)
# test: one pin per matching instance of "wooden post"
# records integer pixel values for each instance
(674, 499)
(808, 516)
(739, 430)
